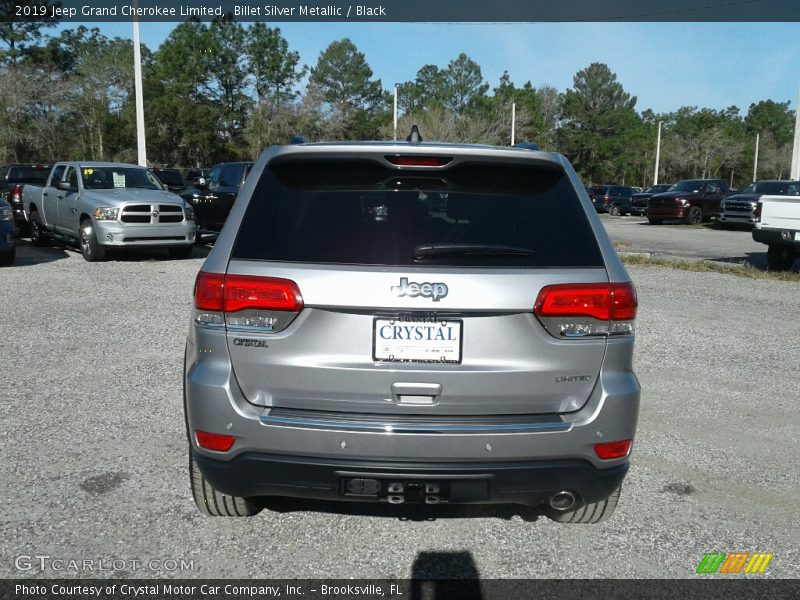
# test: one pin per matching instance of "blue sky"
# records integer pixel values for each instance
(666, 65)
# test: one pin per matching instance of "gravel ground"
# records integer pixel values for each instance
(93, 453)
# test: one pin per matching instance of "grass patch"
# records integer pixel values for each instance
(745, 270)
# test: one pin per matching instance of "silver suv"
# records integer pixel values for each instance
(412, 323)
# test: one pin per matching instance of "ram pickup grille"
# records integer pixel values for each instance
(152, 214)
(738, 207)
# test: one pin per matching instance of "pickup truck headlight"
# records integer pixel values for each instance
(106, 214)
(722, 205)
(189, 212)
(5, 213)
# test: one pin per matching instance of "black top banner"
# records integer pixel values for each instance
(409, 10)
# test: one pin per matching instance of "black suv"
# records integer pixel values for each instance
(213, 197)
(612, 199)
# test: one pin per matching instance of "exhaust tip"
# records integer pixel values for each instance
(563, 500)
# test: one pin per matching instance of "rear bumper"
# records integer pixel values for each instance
(256, 474)
(784, 237)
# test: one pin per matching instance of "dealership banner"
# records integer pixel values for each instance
(404, 10)
(400, 589)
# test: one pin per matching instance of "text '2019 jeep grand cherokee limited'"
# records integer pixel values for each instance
(416, 322)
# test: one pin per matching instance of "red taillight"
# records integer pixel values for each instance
(265, 293)
(757, 212)
(609, 450)
(208, 291)
(15, 194)
(231, 293)
(606, 200)
(419, 161)
(214, 441)
(603, 301)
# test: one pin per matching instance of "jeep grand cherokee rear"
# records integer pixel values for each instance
(412, 323)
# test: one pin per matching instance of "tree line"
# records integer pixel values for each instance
(225, 91)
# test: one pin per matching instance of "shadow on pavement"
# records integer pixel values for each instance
(28, 254)
(445, 576)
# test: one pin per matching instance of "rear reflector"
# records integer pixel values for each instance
(214, 441)
(609, 450)
(231, 293)
(419, 161)
(602, 301)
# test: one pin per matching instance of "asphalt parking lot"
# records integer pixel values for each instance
(689, 242)
(94, 465)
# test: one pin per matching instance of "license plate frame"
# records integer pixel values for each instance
(449, 352)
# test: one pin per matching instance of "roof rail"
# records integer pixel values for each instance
(414, 137)
(298, 139)
(527, 146)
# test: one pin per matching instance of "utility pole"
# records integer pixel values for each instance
(513, 121)
(395, 112)
(137, 76)
(658, 154)
(755, 160)
(795, 174)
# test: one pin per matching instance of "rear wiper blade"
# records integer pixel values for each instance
(430, 250)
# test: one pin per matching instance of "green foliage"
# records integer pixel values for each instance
(223, 91)
(20, 34)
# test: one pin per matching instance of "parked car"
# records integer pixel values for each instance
(170, 179)
(691, 200)
(740, 208)
(8, 241)
(193, 175)
(778, 225)
(639, 200)
(13, 178)
(349, 341)
(213, 198)
(97, 206)
(612, 199)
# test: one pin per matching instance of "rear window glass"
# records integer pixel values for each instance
(34, 174)
(169, 177)
(480, 214)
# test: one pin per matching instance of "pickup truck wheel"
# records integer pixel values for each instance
(779, 257)
(596, 512)
(214, 503)
(7, 256)
(614, 211)
(695, 216)
(181, 251)
(90, 249)
(39, 236)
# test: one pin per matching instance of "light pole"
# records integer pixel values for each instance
(658, 154)
(755, 160)
(513, 121)
(395, 112)
(137, 76)
(795, 175)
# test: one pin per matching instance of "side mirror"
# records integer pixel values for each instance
(63, 185)
(201, 182)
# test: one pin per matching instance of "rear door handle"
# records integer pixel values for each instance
(60, 197)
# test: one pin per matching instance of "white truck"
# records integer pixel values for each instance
(778, 226)
(101, 205)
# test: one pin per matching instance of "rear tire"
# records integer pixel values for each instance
(181, 251)
(596, 512)
(780, 257)
(655, 221)
(695, 216)
(90, 249)
(214, 503)
(39, 236)
(614, 211)
(7, 256)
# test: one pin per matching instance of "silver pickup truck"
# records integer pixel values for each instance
(99, 205)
